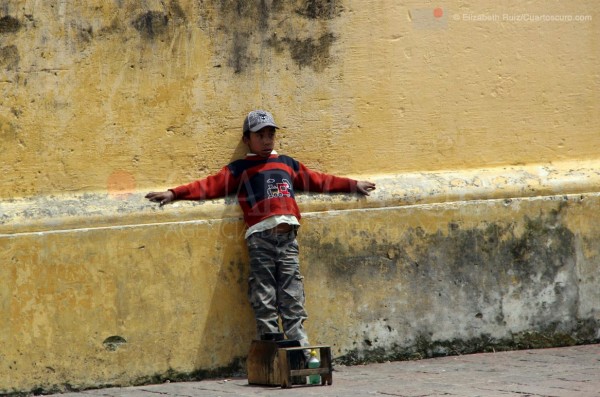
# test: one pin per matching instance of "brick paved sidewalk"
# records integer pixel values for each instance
(559, 372)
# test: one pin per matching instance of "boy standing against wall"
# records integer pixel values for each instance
(265, 183)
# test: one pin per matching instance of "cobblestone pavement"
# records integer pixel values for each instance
(558, 372)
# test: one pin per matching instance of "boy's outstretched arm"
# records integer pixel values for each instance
(365, 187)
(161, 197)
(213, 186)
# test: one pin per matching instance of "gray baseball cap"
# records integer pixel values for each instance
(258, 119)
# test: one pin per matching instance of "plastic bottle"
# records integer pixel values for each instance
(313, 362)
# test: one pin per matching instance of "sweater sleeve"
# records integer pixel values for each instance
(313, 181)
(214, 186)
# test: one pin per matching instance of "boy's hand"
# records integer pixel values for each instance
(365, 187)
(161, 197)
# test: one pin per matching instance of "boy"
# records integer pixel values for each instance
(265, 183)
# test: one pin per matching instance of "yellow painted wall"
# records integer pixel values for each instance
(153, 93)
(481, 130)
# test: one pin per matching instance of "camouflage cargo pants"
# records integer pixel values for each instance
(275, 286)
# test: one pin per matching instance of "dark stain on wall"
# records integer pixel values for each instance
(9, 24)
(85, 34)
(176, 12)
(467, 258)
(9, 57)
(544, 247)
(424, 347)
(253, 14)
(239, 57)
(470, 270)
(254, 30)
(311, 52)
(151, 24)
(320, 9)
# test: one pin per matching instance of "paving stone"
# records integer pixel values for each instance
(560, 372)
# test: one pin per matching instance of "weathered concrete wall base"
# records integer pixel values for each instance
(114, 306)
(584, 333)
(93, 307)
(457, 277)
(236, 368)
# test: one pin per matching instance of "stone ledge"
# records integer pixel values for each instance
(100, 209)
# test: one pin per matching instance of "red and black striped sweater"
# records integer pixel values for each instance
(264, 186)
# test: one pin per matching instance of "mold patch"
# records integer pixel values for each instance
(321, 9)
(240, 58)
(515, 279)
(424, 347)
(151, 24)
(311, 52)
(251, 32)
(9, 24)
(9, 57)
